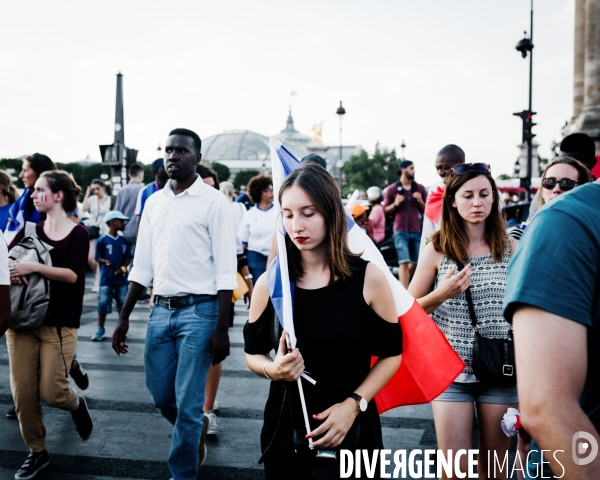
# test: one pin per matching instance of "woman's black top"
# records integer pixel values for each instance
(66, 299)
(337, 334)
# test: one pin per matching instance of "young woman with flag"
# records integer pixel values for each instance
(472, 233)
(344, 313)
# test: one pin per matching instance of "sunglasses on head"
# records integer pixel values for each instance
(465, 167)
(565, 184)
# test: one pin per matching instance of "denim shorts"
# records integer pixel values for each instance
(407, 246)
(479, 392)
(106, 295)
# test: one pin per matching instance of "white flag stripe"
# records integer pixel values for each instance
(360, 242)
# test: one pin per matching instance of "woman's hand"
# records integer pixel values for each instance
(338, 420)
(286, 366)
(19, 268)
(453, 285)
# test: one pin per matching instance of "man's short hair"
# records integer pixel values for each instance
(135, 170)
(580, 147)
(188, 133)
(456, 153)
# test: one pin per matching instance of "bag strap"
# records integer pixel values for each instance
(30, 230)
(469, 299)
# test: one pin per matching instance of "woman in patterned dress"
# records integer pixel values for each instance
(472, 233)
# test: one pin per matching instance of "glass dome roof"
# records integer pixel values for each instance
(236, 145)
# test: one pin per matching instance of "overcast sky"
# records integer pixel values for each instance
(432, 72)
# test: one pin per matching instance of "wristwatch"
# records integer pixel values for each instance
(248, 277)
(362, 403)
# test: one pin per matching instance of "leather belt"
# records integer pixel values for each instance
(174, 303)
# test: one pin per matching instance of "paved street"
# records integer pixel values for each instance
(131, 440)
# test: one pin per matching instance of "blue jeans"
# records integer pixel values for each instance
(106, 295)
(177, 363)
(257, 264)
(407, 246)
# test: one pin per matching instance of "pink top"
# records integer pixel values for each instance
(377, 219)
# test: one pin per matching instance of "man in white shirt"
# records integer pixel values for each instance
(447, 158)
(186, 243)
(4, 286)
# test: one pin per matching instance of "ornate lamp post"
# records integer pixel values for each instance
(341, 111)
(403, 146)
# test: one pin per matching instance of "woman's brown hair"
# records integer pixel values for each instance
(452, 239)
(583, 174)
(320, 186)
(61, 181)
(7, 188)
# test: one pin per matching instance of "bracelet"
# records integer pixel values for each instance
(265, 370)
(248, 277)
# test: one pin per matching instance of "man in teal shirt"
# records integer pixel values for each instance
(553, 300)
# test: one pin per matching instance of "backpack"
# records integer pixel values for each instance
(29, 303)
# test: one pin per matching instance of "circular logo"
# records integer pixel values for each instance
(585, 448)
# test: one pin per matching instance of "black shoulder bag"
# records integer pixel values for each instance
(493, 358)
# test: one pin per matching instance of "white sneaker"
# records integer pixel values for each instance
(213, 427)
(95, 288)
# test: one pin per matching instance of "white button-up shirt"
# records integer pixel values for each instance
(186, 242)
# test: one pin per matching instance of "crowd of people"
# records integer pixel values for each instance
(484, 285)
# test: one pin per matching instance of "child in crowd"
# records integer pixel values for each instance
(113, 253)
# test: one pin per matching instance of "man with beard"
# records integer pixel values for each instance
(406, 200)
(447, 158)
(186, 243)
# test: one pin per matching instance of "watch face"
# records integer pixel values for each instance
(363, 405)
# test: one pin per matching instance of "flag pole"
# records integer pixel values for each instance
(306, 424)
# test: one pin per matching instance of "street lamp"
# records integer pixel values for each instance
(403, 146)
(341, 111)
(525, 46)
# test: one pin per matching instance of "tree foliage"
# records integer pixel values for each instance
(363, 171)
(243, 177)
(221, 170)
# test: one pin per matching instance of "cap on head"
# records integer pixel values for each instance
(156, 164)
(580, 147)
(404, 164)
(313, 157)
(114, 215)
(357, 210)
(374, 194)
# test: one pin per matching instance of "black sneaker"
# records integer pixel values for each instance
(83, 420)
(34, 463)
(79, 375)
(12, 413)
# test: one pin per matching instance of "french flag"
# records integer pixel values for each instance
(429, 364)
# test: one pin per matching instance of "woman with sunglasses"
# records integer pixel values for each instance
(472, 233)
(560, 176)
(97, 203)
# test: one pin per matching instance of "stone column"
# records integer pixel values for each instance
(591, 98)
(578, 77)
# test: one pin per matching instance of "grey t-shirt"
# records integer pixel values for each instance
(126, 200)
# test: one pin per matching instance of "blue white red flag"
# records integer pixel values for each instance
(429, 364)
